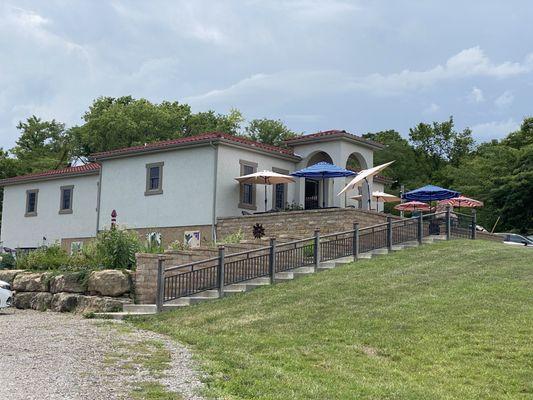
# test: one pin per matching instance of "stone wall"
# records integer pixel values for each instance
(101, 291)
(300, 223)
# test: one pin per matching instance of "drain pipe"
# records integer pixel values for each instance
(99, 193)
(215, 177)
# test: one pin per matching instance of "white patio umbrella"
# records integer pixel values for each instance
(385, 197)
(265, 178)
(363, 177)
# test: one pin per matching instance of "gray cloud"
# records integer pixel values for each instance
(316, 65)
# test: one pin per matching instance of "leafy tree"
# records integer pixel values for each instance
(112, 123)
(409, 168)
(42, 145)
(522, 137)
(210, 121)
(269, 131)
(441, 143)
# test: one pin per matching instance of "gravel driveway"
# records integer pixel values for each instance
(46, 355)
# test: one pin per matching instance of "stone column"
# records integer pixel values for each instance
(146, 278)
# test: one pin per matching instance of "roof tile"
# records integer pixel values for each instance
(79, 170)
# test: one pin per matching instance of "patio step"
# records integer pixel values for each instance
(121, 315)
(397, 247)
(411, 244)
(139, 308)
(379, 252)
(365, 256)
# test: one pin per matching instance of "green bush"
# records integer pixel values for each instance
(44, 258)
(115, 249)
(234, 238)
(7, 261)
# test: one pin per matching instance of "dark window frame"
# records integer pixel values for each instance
(149, 191)
(242, 204)
(34, 212)
(62, 190)
(285, 189)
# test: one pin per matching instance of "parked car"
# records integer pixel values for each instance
(516, 239)
(6, 296)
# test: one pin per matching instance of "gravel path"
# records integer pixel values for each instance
(46, 355)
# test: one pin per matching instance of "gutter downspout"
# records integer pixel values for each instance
(98, 199)
(215, 172)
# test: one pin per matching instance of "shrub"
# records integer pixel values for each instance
(178, 245)
(115, 249)
(234, 238)
(44, 258)
(7, 261)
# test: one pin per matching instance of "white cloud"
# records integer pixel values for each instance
(494, 129)
(476, 95)
(504, 100)
(300, 83)
(432, 109)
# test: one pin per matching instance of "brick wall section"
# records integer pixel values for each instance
(300, 223)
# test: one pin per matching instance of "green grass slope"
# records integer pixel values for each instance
(453, 320)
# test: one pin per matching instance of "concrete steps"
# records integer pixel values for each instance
(243, 287)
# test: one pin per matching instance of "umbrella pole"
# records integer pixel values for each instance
(265, 197)
(323, 192)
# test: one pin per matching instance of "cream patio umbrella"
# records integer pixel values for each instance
(265, 178)
(363, 177)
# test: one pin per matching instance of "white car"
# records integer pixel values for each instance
(6, 296)
(516, 239)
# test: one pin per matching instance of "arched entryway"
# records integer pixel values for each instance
(314, 191)
(356, 162)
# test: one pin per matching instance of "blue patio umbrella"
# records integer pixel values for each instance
(430, 193)
(323, 170)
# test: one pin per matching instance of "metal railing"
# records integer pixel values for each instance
(215, 273)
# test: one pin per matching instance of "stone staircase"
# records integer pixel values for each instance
(243, 287)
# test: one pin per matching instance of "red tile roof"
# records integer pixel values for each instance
(333, 133)
(86, 169)
(205, 137)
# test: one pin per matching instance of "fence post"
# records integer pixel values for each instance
(448, 223)
(221, 251)
(272, 260)
(389, 233)
(355, 242)
(474, 223)
(317, 248)
(420, 228)
(160, 296)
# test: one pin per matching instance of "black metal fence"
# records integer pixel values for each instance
(216, 273)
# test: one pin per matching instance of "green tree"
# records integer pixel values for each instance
(409, 168)
(521, 137)
(269, 131)
(112, 123)
(440, 143)
(42, 145)
(209, 121)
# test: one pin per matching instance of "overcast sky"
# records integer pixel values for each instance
(316, 65)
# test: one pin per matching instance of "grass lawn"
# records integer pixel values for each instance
(453, 320)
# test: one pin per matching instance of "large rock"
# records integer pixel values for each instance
(7, 275)
(100, 304)
(23, 300)
(65, 302)
(41, 301)
(32, 282)
(69, 282)
(109, 282)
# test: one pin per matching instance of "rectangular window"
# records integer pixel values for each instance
(280, 191)
(31, 202)
(247, 190)
(65, 199)
(154, 179)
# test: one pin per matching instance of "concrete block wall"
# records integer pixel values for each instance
(300, 223)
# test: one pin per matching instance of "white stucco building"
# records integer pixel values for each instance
(175, 187)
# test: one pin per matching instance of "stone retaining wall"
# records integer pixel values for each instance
(300, 223)
(101, 291)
